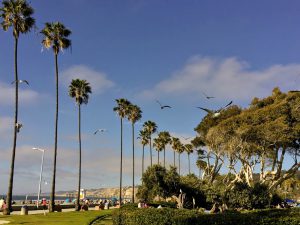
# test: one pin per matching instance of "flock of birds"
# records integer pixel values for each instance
(215, 113)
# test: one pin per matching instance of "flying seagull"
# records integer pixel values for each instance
(100, 130)
(21, 81)
(18, 126)
(206, 96)
(186, 138)
(215, 113)
(163, 106)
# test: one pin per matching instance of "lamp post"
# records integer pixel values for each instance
(39, 192)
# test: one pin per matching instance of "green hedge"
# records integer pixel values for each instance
(167, 216)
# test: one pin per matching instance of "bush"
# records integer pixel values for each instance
(243, 196)
(167, 216)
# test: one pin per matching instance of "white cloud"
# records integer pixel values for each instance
(7, 95)
(97, 80)
(227, 78)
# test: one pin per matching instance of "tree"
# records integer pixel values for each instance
(55, 37)
(122, 110)
(165, 139)
(189, 149)
(175, 146)
(18, 15)
(79, 90)
(180, 150)
(151, 128)
(158, 145)
(134, 115)
(144, 138)
(158, 181)
(260, 135)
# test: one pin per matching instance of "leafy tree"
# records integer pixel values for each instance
(150, 127)
(263, 134)
(18, 15)
(134, 115)
(55, 36)
(79, 90)
(122, 110)
(157, 181)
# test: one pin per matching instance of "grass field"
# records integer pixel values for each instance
(66, 218)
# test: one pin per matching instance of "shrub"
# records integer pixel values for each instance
(243, 196)
(167, 216)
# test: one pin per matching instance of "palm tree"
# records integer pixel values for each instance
(166, 139)
(80, 90)
(189, 149)
(180, 150)
(175, 145)
(134, 115)
(18, 15)
(159, 146)
(151, 128)
(122, 110)
(55, 37)
(144, 141)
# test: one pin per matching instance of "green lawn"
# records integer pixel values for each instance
(66, 218)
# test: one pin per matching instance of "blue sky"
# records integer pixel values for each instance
(140, 50)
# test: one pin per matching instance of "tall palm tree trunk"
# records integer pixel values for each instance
(121, 164)
(164, 157)
(13, 155)
(132, 162)
(143, 159)
(189, 164)
(174, 159)
(179, 164)
(150, 151)
(79, 167)
(52, 197)
(157, 157)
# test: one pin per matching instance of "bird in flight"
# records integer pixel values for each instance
(206, 96)
(100, 130)
(186, 138)
(21, 81)
(163, 106)
(18, 126)
(215, 113)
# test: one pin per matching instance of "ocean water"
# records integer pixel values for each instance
(32, 197)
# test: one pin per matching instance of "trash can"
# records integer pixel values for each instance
(24, 210)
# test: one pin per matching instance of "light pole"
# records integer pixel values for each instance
(39, 192)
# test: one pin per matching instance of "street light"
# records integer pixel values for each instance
(39, 192)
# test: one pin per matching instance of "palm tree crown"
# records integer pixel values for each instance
(150, 127)
(17, 13)
(80, 90)
(56, 36)
(123, 107)
(134, 113)
(144, 137)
